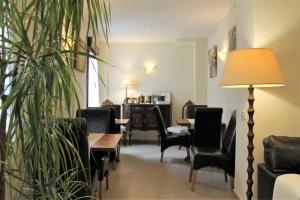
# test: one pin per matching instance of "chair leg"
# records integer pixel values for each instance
(100, 190)
(118, 153)
(130, 142)
(158, 140)
(188, 155)
(191, 172)
(193, 150)
(232, 182)
(194, 178)
(115, 164)
(107, 182)
(225, 176)
(161, 156)
(125, 137)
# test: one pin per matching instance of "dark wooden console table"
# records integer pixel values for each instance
(143, 118)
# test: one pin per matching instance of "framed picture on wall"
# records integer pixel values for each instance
(232, 38)
(212, 61)
(167, 96)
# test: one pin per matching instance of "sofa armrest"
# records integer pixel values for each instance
(265, 182)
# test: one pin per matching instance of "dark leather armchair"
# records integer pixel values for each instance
(169, 140)
(282, 156)
(222, 158)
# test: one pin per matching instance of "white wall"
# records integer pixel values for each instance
(217, 96)
(278, 28)
(176, 71)
(262, 23)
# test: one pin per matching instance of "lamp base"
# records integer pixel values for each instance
(250, 146)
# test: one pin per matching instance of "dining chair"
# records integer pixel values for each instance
(179, 129)
(207, 128)
(117, 108)
(74, 130)
(223, 158)
(168, 140)
(184, 108)
(190, 111)
(98, 120)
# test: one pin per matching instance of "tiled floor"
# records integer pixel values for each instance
(140, 175)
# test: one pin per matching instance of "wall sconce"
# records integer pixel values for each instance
(222, 54)
(149, 68)
(67, 43)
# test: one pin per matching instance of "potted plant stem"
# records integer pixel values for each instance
(37, 84)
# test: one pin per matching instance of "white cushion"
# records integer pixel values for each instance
(123, 128)
(178, 129)
(287, 187)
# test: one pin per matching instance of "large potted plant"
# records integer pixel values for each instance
(37, 84)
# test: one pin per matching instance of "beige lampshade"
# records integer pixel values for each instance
(256, 67)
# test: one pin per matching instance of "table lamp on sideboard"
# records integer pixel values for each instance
(251, 68)
(126, 84)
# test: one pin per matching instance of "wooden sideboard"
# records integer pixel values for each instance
(142, 117)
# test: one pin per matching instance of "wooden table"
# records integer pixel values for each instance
(123, 122)
(186, 122)
(105, 142)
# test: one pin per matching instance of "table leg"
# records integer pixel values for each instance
(118, 154)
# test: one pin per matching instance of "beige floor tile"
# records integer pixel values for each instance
(140, 175)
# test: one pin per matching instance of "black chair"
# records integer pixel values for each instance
(117, 108)
(191, 110)
(170, 140)
(207, 132)
(75, 131)
(100, 170)
(101, 120)
(98, 120)
(224, 158)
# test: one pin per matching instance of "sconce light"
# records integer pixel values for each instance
(67, 43)
(150, 68)
(222, 54)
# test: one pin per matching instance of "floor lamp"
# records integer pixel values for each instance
(251, 68)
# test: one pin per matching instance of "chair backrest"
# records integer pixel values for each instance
(191, 110)
(184, 107)
(228, 146)
(98, 120)
(74, 130)
(117, 108)
(161, 128)
(107, 102)
(112, 121)
(207, 131)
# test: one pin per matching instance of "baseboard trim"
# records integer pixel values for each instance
(141, 141)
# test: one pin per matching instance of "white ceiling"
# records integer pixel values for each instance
(165, 20)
